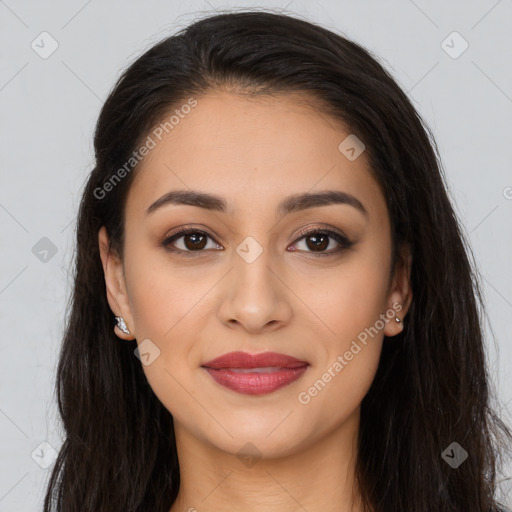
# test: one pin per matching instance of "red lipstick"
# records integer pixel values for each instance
(255, 374)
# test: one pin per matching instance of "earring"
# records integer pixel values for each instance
(397, 320)
(122, 324)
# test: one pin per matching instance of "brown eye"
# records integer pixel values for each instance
(318, 241)
(194, 241)
(188, 241)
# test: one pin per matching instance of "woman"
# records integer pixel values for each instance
(274, 307)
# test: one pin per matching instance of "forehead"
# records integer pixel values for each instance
(247, 148)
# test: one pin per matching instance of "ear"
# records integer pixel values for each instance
(115, 284)
(400, 292)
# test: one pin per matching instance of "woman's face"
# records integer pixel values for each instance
(246, 280)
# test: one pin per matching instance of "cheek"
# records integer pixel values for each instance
(161, 295)
(351, 307)
(167, 309)
(350, 303)
(348, 298)
(335, 392)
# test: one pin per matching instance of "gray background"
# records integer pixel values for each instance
(48, 108)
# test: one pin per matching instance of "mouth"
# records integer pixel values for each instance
(256, 374)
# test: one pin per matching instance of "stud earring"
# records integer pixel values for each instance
(122, 324)
(397, 320)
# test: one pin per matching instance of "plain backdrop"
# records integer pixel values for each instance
(461, 84)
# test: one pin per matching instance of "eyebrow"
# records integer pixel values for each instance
(293, 203)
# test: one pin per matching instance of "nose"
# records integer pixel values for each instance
(255, 297)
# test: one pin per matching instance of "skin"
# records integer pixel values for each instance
(254, 152)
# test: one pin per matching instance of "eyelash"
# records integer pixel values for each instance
(343, 241)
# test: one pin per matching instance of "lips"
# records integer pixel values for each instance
(263, 360)
(255, 374)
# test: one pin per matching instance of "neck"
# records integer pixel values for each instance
(317, 477)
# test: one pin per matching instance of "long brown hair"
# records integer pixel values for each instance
(432, 387)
